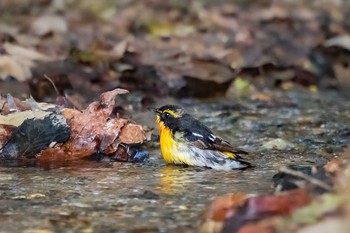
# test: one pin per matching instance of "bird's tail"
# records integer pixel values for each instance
(244, 164)
(230, 164)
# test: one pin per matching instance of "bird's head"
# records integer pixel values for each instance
(169, 116)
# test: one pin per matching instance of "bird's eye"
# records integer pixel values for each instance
(166, 114)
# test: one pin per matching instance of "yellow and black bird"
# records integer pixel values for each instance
(185, 140)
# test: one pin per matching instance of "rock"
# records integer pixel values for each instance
(278, 144)
(35, 196)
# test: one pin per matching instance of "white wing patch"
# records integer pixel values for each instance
(197, 135)
(212, 137)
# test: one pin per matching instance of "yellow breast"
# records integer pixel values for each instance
(168, 145)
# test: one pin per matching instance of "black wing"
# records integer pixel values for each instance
(202, 137)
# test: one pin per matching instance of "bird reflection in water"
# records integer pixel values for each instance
(176, 180)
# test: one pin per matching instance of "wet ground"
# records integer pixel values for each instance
(92, 196)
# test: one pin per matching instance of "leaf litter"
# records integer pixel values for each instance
(69, 134)
(194, 50)
(299, 209)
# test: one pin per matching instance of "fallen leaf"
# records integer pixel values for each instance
(25, 53)
(46, 24)
(119, 49)
(262, 207)
(222, 207)
(325, 226)
(18, 61)
(17, 118)
(11, 104)
(5, 133)
(92, 130)
(323, 205)
(9, 67)
(132, 133)
(34, 135)
(219, 210)
(258, 227)
(273, 12)
(335, 164)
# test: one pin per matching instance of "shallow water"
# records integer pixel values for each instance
(148, 198)
(152, 197)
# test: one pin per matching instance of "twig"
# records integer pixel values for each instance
(306, 177)
(75, 103)
(52, 83)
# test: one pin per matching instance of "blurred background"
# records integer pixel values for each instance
(177, 48)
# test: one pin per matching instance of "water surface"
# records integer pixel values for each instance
(152, 197)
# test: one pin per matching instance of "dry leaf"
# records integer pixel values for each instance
(49, 24)
(92, 130)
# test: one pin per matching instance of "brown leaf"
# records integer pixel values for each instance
(262, 207)
(12, 104)
(5, 133)
(222, 206)
(18, 61)
(93, 131)
(231, 213)
(132, 133)
(335, 164)
(219, 210)
(259, 227)
(119, 49)
(277, 204)
(10, 67)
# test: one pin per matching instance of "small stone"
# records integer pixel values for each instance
(6, 177)
(80, 205)
(150, 195)
(35, 196)
(19, 197)
(278, 144)
(37, 231)
(182, 207)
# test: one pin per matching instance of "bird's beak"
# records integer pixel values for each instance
(155, 110)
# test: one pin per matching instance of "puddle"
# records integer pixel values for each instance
(153, 197)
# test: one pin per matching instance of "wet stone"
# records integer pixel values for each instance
(35, 195)
(146, 195)
(277, 144)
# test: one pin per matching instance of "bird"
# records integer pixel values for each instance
(185, 140)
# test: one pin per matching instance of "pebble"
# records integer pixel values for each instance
(277, 144)
(37, 231)
(35, 195)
